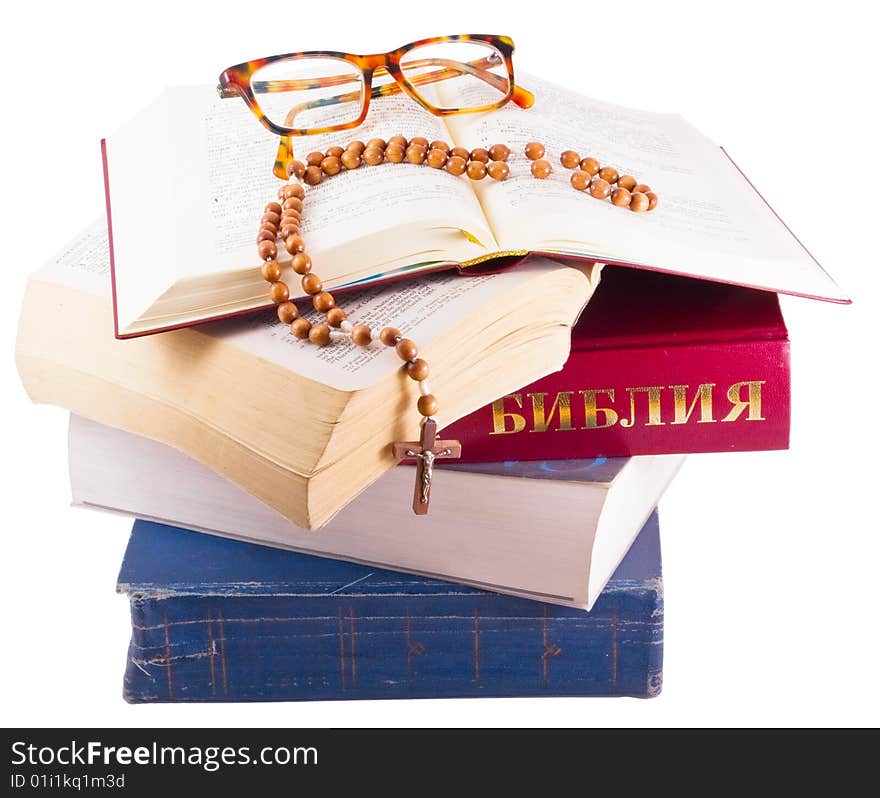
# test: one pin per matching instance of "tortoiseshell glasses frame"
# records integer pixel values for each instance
(236, 81)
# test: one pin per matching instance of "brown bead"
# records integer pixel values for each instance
(653, 199)
(291, 216)
(419, 141)
(417, 369)
(287, 312)
(302, 263)
(621, 197)
(378, 144)
(641, 188)
(534, 150)
(334, 152)
(439, 144)
(289, 229)
(499, 152)
(428, 405)
(323, 302)
(456, 165)
(460, 152)
(331, 165)
(312, 284)
(296, 169)
(480, 154)
(314, 158)
(292, 204)
(627, 181)
(294, 244)
(335, 316)
(271, 271)
(389, 336)
(590, 166)
(271, 217)
(639, 202)
(350, 159)
(313, 175)
(580, 179)
(356, 146)
(600, 188)
(394, 153)
(541, 169)
(437, 158)
(373, 156)
(415, 153)
(608, 174)
(300, 328)
(279, 292)
(498, 170)
(407, 349)
(287, 191)
(320, 334)
(267, 250)
(274, 207)
(399, 141)
(266, 234)
(570, 159)
(361, 334)
(476, 170)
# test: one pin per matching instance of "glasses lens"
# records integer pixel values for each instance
(457, 74)
(309, 92)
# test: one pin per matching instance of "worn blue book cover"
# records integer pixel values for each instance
(215, 619)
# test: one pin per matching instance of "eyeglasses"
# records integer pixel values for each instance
(322, 91)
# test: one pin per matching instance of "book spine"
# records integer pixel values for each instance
(707, 397)
(284, 648)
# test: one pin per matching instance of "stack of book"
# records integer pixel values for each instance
(276, 555)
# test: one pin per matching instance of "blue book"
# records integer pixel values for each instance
(215, 619)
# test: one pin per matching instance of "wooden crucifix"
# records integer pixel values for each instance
(425, 452)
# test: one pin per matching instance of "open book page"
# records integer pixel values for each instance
(709, 223)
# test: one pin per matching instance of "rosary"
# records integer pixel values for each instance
(283, 220)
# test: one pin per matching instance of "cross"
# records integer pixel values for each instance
(426, 451)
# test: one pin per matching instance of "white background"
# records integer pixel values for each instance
(771, 560)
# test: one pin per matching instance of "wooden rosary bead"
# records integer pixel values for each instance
(428, 405)
(350, 159)
(334, 152)
(313, 175)
(356, 146)
(312, 284)
(373, 156)
(287, 312)
(621, 197)
(456, 165)
(320, 334)
(439, 144)
(271, 271)
(541, 169)
(460, 152)
(279, 292)
(292, 204)
(323, 302)
(590, 166)
(314, 158)
(570, 159)
(419, 141)
(652, 199)
(416, 153)
(291, 190)
(294, 244)
(417, 369)
(437, 158)
(296, 169)
(302, 263)
(389, 336)
(608, 174)
(267, 250)
(335, 316)
(534, 150)
(600, 188)
(580, 179)
(331, 165)
(627, 181)
(289, 229)
(266, 234)
(639, 202)
(499, 152)
(480, 154)
(476, 170)
(498, 170)
(641, 188)
(394, 153)
(271, 217)
(300, 328)
(361, 334)
(274, 207)
(407, 349)
(378, 144)
(399, 141)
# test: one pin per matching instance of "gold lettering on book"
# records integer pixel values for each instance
(609, 415)
(683, 410)
(753, 403)
(542, 421)
(500, 416)
(654, 419)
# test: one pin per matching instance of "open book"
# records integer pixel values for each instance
(187, 180)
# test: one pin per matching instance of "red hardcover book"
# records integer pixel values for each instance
(659, 364)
